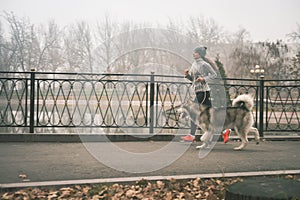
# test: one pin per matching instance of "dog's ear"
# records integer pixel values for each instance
(251, 95)
(182, 115)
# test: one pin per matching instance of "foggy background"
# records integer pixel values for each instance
(78, 36)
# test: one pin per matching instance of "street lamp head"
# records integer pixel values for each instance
(257, 70)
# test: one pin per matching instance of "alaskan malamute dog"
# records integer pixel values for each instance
(238, 117)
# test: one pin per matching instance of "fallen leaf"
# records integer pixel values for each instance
(85, 190)
(130, 193)
(96, 197)
(169, 196)
(218, 182)
(7, 196)
(160, 184)
(65, 193)
(23, 176)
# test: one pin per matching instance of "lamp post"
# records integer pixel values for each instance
(258, 71)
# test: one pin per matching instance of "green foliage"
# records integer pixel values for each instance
(295, 67)
(220, 67)
(223, 76)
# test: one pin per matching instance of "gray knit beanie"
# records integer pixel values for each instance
(201, 50)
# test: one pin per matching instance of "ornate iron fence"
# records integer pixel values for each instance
(37, 102)
(282, 111)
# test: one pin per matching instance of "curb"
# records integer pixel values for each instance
(75, 138)
(6, 186)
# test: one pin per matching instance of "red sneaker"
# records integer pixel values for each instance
(225, 135)
(189, 138)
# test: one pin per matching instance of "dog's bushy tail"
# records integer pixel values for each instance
(244, 101)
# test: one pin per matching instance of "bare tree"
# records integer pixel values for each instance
(23, 44)
(106, 29)
(272, 56)
(243, 59)
(50, 46)
(5, 52)
(241, 37)
(118, 44)
(294, 68)
(295, 35)
(275, 58)
(78, 47)
(243, 55)
(205, 31)
(85, 38)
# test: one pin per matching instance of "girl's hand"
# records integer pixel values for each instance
(200, 79)
(186, 72)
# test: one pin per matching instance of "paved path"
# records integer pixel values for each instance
(71, 161)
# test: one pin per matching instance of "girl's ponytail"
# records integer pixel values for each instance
(212, 63)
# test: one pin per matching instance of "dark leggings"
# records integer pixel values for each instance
(201, 98)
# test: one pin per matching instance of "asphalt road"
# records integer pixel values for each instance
(72, 161)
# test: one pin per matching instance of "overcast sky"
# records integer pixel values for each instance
(264, 19)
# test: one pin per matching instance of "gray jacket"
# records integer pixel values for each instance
(203, 69)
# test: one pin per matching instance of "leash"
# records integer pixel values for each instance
(188, 117)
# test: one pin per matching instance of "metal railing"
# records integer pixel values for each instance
(37, 102)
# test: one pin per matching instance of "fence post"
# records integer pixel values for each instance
(32, 97)
(261, 106)
(151, 128)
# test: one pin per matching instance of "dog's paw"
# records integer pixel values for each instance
(241, 147)
(237, 149)
(203, 146)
